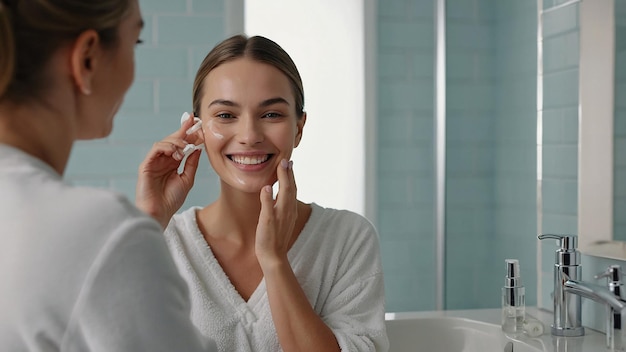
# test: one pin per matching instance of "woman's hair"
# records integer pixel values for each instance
(258, 49)
(32, 30)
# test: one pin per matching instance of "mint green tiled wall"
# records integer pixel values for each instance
(619, 190)
(470, 124)
(177, 36)
(515, 144)
(491, 150)
(405, 152)
(560, 132)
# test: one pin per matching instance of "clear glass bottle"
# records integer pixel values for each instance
(513, 299)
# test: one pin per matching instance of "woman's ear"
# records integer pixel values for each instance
(300, 126)
(84, 60)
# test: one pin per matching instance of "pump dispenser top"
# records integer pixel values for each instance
(513, 299)
(512, 273)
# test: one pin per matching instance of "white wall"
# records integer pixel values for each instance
(325, 38)
(596, 115)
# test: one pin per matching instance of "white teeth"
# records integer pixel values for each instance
(250, 160)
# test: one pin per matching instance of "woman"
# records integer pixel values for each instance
(80, 269)
(265, 274)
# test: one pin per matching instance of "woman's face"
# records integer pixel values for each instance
(249, 122)
(116, 71)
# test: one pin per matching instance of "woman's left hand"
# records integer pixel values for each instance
(277, 219)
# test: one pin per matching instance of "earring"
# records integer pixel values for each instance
(86, 91)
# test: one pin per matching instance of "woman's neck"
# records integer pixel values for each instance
(234, 215)
(38, 131)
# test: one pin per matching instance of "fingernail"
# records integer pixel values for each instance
(177, 156)
(268, 189)
(291, 164)
(284, 164)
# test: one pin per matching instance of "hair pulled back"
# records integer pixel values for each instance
(32, 30)
(257, 48)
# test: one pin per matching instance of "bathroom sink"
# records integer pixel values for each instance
(449, 334)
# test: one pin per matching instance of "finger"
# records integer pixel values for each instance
(171, 148)
(170, 143)
(292, 178)
(286, 184)
(266, 217)
(191, 166)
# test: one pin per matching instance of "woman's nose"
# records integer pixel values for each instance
(250, 131)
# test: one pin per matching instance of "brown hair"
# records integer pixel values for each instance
(256, 48)
(31, 31)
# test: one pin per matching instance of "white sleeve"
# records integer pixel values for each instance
(355, 309)
(133, 298)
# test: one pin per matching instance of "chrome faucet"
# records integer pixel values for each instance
(614, 319)
(568, 289)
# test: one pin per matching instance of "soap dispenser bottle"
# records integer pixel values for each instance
(513, 299)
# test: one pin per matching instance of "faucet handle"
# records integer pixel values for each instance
(613, 274)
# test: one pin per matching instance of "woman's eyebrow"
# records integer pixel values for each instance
(223, 102)
(264, 103)
(272, 101)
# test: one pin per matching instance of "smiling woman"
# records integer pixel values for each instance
(265, 274)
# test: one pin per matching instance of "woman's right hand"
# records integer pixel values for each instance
(161, 190)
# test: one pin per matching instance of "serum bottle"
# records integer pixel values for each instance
(513, 299)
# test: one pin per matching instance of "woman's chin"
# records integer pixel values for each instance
(252, 187)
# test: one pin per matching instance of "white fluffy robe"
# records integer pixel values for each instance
(336, 259)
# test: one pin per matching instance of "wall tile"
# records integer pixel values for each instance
(560, 52)
(182, 31)
(406, 34)
(392, 9)
(207, 6)
(139, 98)
(162, 6)
(403, 95)
(560, 125)
(162, 62)
(560, 21)
(560, 161)
(406, 159)
(560, 89)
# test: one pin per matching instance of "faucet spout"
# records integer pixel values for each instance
(595, 292)
(599, 294)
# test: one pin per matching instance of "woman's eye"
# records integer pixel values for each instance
(224, 115)
(272, 115)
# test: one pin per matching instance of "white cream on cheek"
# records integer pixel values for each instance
(211, 127)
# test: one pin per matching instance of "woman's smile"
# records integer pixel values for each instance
(250, 162)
